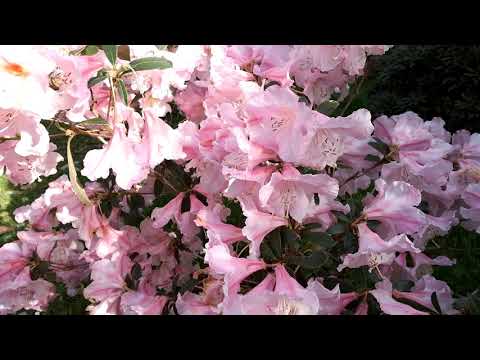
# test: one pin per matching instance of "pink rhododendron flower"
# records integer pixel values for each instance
(331, 302)
(58, 204)
(234, 269)
(374, 251)
(467, 149)
(471, 196)
(409, 138)
(422, 292)
(25, 293)
(257, 226)
(394, 206)
(198, 153)
(119, 156)
(390, 306)
(217, 231)
(159, 141)
(289, 193)
(190, 102)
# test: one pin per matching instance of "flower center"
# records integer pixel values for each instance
(25, 293)
(57, 79)
(287, 198)
(474, 173)
(277, 124)
(373, 261)
(324, 150)
(237, 161)
(393, 153)
(290, 307)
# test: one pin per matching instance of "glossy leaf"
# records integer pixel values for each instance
(101, 76)
(321, 239)
(149, 63)
(372, 158)
(122, 90)
(185, 204)
(336, 229)
(314, 261)
(111, 53)
(94, 121)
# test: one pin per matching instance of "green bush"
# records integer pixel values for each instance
(431, 80)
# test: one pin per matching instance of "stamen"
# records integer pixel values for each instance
(57, 79)
(287, 198)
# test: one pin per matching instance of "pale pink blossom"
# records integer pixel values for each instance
(395, 207)
(218, 231)
(289, 193)
(374, 251)
(422, 293)
(390, 306)
(118, 155)
(471, 196)
(24, 293)
(234, 269)
(257, 226)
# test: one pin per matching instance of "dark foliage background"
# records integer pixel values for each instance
(431, 80)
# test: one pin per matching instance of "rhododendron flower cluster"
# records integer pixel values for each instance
(219, 185)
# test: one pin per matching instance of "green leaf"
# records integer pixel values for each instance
(188, 285)
(409, 261)
(379, 145)
(136, 201)
(131, 284)
(266, 252)
(96, 79)
(469, 304)
(40, 270)
(312, 226)
(89, 50)
(122, 90)
(149, 63)
(292, 239)
(321, 239)
(106, 207)
(403, 285)
(202, 198)
(336, 229)
(424, 269)
(373, 224)
(348, 242)
(185, 203)
(314, 261)
(342, 217)
(377, 140)
(111, 53)
(236, 216)
(72, 174)
(158, 187)
(136, 272)
(354, 207)
(372, 158)
(275, 241)
(94, 121)
(435, 303)
(328, 107)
